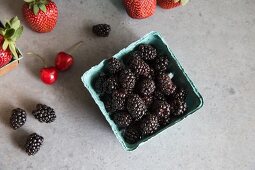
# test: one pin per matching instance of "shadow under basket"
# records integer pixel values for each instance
(194, 99)
(12, 65)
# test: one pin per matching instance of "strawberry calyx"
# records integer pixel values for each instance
(10, 32)
(183, 2)
(37, 5)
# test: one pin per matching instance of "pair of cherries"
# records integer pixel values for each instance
(63, 62)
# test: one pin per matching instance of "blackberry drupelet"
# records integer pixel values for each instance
(149, 124)
(101, 30)
(114, 65)
(148, 52)
(165, 84)
(99, 81)
(110, 85)
(178, 107)
(161, 63)
(147, 100)
(33, 143)
(146, 86)
(163, 110)
(139, 67)
(127, 79)
(122, 119)
(136, 106)
(18, 118)
(132, 134)
(119, 99)
(44, 113)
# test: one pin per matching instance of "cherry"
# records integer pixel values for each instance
(63, 61)
(49, 75)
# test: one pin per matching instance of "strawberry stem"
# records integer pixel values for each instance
(74, 47)
(39, 57)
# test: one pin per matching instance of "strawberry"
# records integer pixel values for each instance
(8, 36)
(168, 4)
(140, 9)
(41, 15)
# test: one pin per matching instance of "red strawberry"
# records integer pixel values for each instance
(8, 36)
(168, 4)
(41, 15)
(140, 9)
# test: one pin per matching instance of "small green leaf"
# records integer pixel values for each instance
(18, 32)
(14, 19)
(35, 9)
(42, 7)
(9, 33)
(16, 24)
(5, 44)
(13, 50)
(7, 25)
(2, 31)
(29, 1)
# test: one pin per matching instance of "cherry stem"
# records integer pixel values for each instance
(74, 47)
(40, 57)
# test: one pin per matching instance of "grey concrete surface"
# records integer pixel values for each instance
(214, 41)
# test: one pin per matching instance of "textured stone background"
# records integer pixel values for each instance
(214, 41)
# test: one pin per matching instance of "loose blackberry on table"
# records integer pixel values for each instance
(18, 118)
(102, 30)
(33, 143)
(44, 113)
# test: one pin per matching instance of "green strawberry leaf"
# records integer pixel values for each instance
(5, 44)
(15, 25)
(9, 33)
(35, 9)
(18, 32)
(13, 50)
(29, 1)
(7, 25)
(2, 31)
(42, 7)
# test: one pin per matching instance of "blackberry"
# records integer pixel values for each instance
(148, 52)
(107, 103)
(180, 94)
(122, 119)
(119, 99)
(110, 85)
(165, 84)
(163, 110)
(161, 63)
(101, 30)
(114, 65)
(147, 100)
(44, 113)
(178, 107)
(149, 124)
(33, 143)
(139, 67)
(136, 106)
(127, 79)
(146, 86)
(18, 118)
(99, 81)
(132, 134)
(158, 96)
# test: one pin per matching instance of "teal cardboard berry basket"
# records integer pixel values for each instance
(194, 99)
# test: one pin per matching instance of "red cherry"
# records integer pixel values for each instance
(49, 75)
(63, 61)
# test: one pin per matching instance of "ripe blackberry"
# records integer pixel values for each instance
(114, 65)
(132, 134)
(158, 96)
(18, 118)
(44, 113)
(107, 100)
(149, 124)
(148, 52)
(165, 84)
(127, 79)
(139, 67)
(101, 30)
(122, 119)
(119, 99)
(180, 94)
(178, 107)
(33, 143)
(146, 86)
(147, 100)
(98, 84)
(161, 63)
(110, 85)
(163, 110)
(136, 106)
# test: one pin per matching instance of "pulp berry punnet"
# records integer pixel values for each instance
(139, 94)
